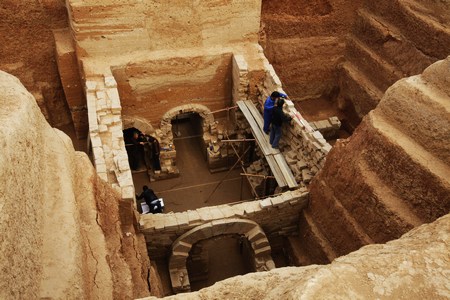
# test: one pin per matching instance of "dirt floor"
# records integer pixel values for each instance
(193, 188)
(225, 258)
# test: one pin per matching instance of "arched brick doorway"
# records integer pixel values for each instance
(181, 247)
(203, 111)
(139, 123)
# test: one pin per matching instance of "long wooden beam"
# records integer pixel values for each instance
(240, 140)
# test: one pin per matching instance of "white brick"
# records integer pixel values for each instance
(91, 85)
(101, 168)
(128, 192)
(113, 95)
(100, 95)
(110, 82)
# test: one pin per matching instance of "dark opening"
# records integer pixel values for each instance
(143, 151)
(219, 258)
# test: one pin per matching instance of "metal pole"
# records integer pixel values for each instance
(229, 171)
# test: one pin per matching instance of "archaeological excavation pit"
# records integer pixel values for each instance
(364, 160)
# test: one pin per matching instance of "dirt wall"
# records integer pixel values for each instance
(393, 173)
(388, 41)
(63, 235)
(152, 88)
(27, 51)
(126, 26)
(305, 41)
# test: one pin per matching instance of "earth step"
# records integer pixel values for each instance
(381, 72)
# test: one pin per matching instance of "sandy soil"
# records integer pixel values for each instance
(27, 50)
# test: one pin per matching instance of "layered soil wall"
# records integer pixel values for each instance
(388, 41)
(27, 51)
(389, 177)
(66, 233)
(150, 89)
(305, 42)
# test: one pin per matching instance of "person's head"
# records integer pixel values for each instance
(275, 95)
(135, 134)
(280, 102)
(145, 188)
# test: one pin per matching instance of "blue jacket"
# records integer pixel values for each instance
(269, 104)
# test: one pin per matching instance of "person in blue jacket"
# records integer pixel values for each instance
(268, 108)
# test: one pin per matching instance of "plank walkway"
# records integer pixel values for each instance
(280, 169)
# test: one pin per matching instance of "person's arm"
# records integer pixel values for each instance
(284, 96)
(140, 196)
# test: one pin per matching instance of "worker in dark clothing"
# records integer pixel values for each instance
(278, 118)
(155, 150)
(151, 199)
(268, 108)
(136, 150)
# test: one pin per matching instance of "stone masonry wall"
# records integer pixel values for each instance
(106, 135)
(278, 216)
(304, 148)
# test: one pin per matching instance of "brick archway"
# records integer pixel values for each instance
(139, 123)
(181, 247)
(203, 111)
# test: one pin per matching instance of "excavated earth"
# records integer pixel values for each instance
(68, 235)
(27, 50)
(65, 233)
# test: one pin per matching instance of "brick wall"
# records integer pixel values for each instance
(278, 216)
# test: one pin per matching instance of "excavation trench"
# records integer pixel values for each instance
(336, 60)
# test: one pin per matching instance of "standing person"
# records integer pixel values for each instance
(155, 149)
(268, 108)
(136, 150)
(278, 118)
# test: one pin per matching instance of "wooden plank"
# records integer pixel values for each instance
(255, 112)
(259, 119)
(266, 149)
(261, 139)
(286, 170)
(279, 177)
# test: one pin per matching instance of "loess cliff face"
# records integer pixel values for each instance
(27, 51)
(62, 233)
(390, 40)
(392, 175)
(305, 42)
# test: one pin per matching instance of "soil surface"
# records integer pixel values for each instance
(27, 51)
(194, 187)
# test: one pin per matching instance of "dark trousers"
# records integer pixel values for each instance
(275, 135)
(267, 119)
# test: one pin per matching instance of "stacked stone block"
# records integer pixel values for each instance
(181, 247)
(106, 134)
(328, 128)
(299, 137)
(278, 216)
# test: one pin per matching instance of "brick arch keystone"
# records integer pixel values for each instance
(202, 110)
(139, 123)
(181, 247)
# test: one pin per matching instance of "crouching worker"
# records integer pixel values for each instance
(153, 202)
